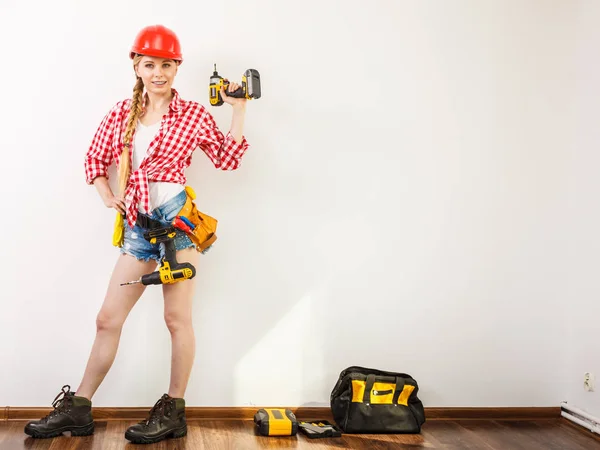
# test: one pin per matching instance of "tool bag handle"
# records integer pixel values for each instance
(369, 387)
(399, 389)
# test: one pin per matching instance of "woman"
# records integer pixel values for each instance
(162, 131)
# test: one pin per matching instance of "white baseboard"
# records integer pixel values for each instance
(580, 417)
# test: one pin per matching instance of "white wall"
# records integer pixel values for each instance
(402, 205)
(584, 241)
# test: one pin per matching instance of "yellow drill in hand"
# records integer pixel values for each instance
(250, 88)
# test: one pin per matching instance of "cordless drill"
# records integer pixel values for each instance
(249, 89)
(170, 271)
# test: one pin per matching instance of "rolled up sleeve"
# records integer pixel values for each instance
(99, 155)
(222, 149)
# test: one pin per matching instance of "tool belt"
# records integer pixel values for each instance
(375, 401)
(148, 223)
(203, 235)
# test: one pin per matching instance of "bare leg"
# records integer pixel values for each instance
(178, 317)
(117, 305)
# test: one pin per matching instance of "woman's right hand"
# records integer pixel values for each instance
(116, 203)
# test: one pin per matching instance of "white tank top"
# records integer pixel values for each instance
(161, 191)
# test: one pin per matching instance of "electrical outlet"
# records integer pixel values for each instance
(589, 381)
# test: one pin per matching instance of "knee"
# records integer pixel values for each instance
(177, 321)
(108, 322)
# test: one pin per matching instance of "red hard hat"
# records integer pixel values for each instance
(158, 41)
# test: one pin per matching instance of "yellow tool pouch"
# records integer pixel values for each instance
(204, 235)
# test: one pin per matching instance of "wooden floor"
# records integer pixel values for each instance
(548, 434)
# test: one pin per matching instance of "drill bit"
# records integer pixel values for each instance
(131, 282)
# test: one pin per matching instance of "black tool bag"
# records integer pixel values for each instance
(375, 401)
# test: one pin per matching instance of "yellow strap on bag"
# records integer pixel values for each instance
(204, 235)
(119, 231)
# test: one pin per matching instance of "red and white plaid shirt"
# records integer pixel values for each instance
(187, 126)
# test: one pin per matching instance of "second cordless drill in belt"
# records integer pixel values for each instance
(170, 271)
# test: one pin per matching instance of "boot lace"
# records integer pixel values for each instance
(158, 410)
(61, 402)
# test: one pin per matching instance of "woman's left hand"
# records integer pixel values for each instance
(232, 100)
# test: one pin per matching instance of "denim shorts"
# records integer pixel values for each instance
(134, 243)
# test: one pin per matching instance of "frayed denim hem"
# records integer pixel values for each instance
(140, 258)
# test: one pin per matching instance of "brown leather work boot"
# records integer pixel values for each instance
(71, 413)
(166, 420)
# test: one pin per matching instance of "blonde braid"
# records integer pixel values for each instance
(134, 114)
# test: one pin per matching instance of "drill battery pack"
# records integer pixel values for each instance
(276, 422)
